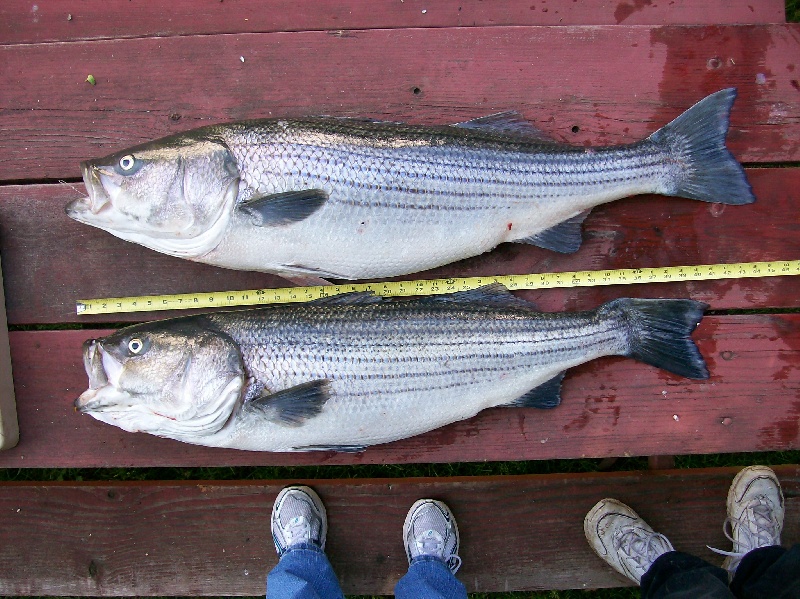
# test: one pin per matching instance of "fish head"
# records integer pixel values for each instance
(173, 379)
(175, 195)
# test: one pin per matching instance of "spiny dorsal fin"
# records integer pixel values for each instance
(354, 298)
(293, 406)
(495, 295)
(277, 209)
(508, 123)
(545, 396)
(565, 237)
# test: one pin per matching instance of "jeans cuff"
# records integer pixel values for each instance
(309, 546)
(427, 558)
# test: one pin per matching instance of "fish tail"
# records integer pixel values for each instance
(696, 141)
(659, 332)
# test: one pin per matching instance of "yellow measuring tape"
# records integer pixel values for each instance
(580, 278)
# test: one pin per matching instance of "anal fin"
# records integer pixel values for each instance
(545, 396)
(565, 237)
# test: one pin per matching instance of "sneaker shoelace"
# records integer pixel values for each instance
(641, 547)
(756, 527)
(431, 542)
(297, 530)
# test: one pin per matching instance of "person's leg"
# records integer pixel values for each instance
(629, 545)
(678, 575)
(768, 573)
(430, 534)
(299, 529)
(758, 565)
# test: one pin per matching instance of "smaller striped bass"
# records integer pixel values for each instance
(351, 371)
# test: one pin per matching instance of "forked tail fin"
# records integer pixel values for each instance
(659, 332)
(696, 141)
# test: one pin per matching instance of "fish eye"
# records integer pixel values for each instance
(135, 346)
(128, 165)
(127, 162)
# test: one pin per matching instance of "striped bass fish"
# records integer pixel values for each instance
(326, 197)
(355, 370)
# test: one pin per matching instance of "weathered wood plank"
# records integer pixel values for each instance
(9, 428)
(50, 261)
(22, 22)
(610, 84)
(212, 538)
(750, 403)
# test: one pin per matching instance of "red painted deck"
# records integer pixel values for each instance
(592, 72)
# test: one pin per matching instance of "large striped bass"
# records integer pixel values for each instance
(350, 199)
(355, 370)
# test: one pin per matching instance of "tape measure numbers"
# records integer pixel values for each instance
(581, 278)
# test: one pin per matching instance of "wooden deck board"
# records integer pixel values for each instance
(20, 22)
(212, 537)
(615, 84)
(750, 403)
(41, 247)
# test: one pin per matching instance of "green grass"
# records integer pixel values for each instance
(793, 11)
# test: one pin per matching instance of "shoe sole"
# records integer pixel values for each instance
(443, 507)
(314, 499)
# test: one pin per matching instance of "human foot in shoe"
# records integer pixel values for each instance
(430, 529)
(298, 516)
(625, 541)
(755, 514)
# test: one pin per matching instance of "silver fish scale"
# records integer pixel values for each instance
(449, 169)
(382, 354)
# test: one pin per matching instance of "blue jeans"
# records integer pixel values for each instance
(304, 572)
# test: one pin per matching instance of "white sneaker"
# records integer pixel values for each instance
(755, 514)
(298, 516)
(430, 529)
(625, 541)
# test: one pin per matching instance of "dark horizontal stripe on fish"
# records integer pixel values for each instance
(443, 171)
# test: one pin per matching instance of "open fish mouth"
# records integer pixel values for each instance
(103, 371)
(87, 209)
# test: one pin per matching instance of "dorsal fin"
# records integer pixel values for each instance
(495, 295)
(353, 298)
(508, 123)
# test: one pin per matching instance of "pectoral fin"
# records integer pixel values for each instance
(283, 208)
(293, 406)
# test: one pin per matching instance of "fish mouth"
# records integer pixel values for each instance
(87, 209)
(103, 371)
